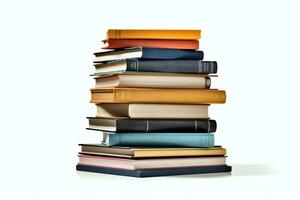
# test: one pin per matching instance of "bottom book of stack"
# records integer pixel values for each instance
(151, 161)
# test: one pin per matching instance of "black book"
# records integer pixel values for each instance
(152, 125)
(163, 66)
(178, 66)
(155, 172)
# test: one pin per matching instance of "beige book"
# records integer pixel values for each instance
(153, 111)
(154, 81)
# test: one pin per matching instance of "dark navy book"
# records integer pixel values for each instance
(156, 172)
(169, 54)
(148, 53)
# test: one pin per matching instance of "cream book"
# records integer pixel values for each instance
(153, 111)
(153, 81)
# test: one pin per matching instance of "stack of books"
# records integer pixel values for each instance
(152, 95)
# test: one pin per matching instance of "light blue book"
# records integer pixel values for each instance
(160, 139)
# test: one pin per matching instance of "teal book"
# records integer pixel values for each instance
(160, 139)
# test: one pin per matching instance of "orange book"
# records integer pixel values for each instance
(154, 43)
(153, 34)
(157, 95)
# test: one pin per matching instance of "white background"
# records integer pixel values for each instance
(46, 50)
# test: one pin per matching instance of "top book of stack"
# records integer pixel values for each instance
(173, 39)
(153, 34)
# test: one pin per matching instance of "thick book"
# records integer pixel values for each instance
(153, 43)
(152, 111)
(152, 125)
(159, 139)
(153, 163)
(155, 172)
(149, 152)
(157, 95)
(148, 53)
(153, 81)
(164, 66)
(153, 34)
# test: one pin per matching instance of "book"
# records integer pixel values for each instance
(159, 139)
(152, 111)
(153, 34)
(153, 81)
(165, 66)
(152, 125)
(155, 172)
(149, 152)
(150, 163)
(157, 95)
(148, 53)
(153, 43)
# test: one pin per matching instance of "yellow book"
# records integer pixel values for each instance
(153, 34)
(165, 152)
(144, 152)
(157, 95)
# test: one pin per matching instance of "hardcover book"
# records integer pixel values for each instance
(157, 95)
(153, 34)
(152, 43)
(150, 163)
(164, 66)
(149, 152)
(155, 172)
(153, 81)
(159, 139)
(152, 125)
(152, 111)
(148, 53)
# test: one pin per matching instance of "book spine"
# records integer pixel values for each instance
(155, 172)
(178, 126)
(153, 34)
(173, 66)
(169, 54)
(154, 43)
(185, 170)
(161, 139)
(181, 96)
